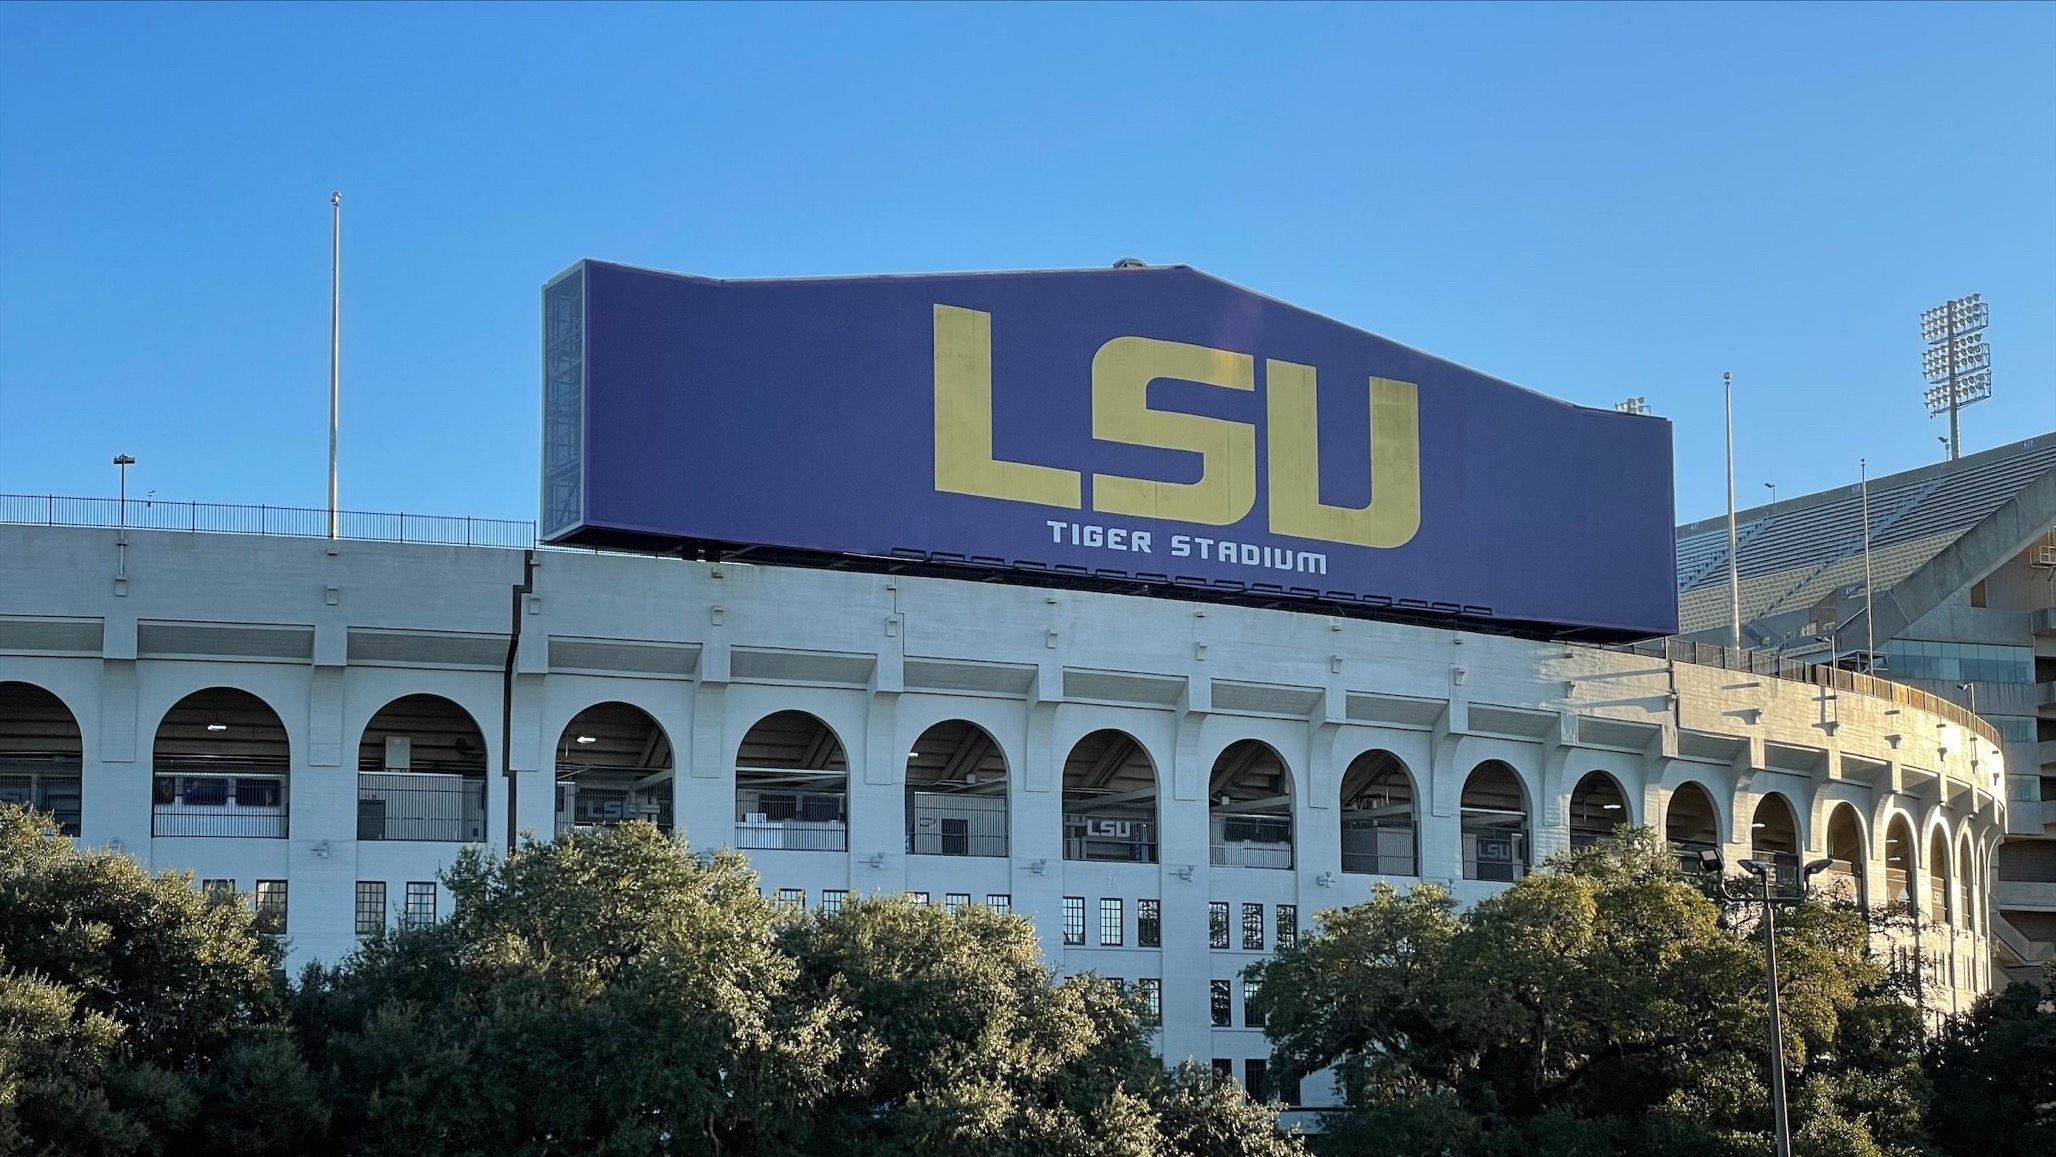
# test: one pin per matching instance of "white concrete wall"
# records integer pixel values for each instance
(861, 651)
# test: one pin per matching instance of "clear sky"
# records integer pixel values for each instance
(1595, 202)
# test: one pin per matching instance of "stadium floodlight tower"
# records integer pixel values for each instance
(1957, 363)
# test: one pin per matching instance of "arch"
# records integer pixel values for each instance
(1941, 902)
(1380, 826)
(1494, 823)
(792, 780)
(1598, 805)
(957, 792)
(1774, 837)
(1899, 863)
(1110, 799)
(220, 766)
(421, 765)
(613, 764)
(1249, 807)
(1966, 868)
(42, 754)
(1846, 878)
(1691, 823)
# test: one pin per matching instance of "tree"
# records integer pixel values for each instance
(136, 1014)
(1994, 1075)
(1601, 1005)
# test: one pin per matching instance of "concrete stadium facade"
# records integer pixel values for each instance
(1165, 787)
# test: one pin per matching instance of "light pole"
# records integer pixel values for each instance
(1971, 690)
(1727, 386)
(1773, 488)
(1957, 362)
(123, 461)
(1780, 1113)
(1870, 630)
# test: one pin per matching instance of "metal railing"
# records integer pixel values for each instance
(181, 819)
(416, 806)
(291, 521)
(792, 836)
(1780, 665)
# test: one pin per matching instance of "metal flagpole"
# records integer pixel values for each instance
(335, 359)
(1727, 385)
(1870, 631)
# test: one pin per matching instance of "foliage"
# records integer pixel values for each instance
(1603, 1005)
(1994, 1074)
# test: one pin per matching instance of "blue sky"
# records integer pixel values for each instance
(1594, 202)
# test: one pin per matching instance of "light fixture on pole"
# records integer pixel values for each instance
(1969, 689)
(1957, 363)
(123, 461)
(1773, 488)
(1727, 386)
(1637, 405)
(1870, 631)
(335, 357)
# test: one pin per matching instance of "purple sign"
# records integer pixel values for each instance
(1153, 424)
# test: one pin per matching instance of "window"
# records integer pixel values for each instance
(919, 899)
(1149, 923)
(1112, 923)
(1253, 927)
(218, 889)
(1074, 919)
(1288, 926)
(999, 902)
(1252, 1012)
(1151, 990)
(1220, 1003)
(956, 902)
(1120, 986)
(791, 900)
(1288, 1090)
(1224, 1067)
(1217, 924)
(832, 898)
(1253, 1077)
(420, 909)
(371, 907)
(269, 903)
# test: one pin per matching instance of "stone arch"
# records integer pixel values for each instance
(1774, 837)
(1900, 861)
(957, 791)
(1380, 816)
(614, 763)
(1691, 822)
(1496, 823)
(1597, 806)
(1848, 877)
(791, 785)
(1941, 897)
(42, 753)
(1250, 813)
(221, 762)
(421, 772)
(1110, 799)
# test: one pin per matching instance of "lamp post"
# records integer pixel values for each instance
(1727, 387)
(123, 461)
(1711, 862)
(1969, 689)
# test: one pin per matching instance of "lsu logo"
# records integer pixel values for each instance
(1122, 370)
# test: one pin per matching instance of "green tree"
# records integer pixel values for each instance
(136, 1015)
(1994, 1075)
(1602, 1005)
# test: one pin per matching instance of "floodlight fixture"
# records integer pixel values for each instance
(1957, 361)
(1816, 867)
(1710, 861)
(1636, 405)
(1755, 867)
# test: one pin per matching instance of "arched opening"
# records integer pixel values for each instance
(1966, 869)
(956, 792)
(41, 754)
(219, 768)
(1378, 826)
(421, 773)
(1110, 800)
(1774, 838)
(792, 781)
(1898, 862)
(1844, 878)
(1250, 807)
(613, 765)
(1941, 905)
(1597, 807)
(1495, 824)
(1691, 824)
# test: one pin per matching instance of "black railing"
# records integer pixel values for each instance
(398, 805)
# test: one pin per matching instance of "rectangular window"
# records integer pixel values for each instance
(1217, 924)
(792, 900)
(1253, 927)
(832, 898)
(918, 898)
(1149, 923)
(1224, 1067)
(269, 903)
(1252, 1012)
(420, 909)
(1120, 986)
(1288, 926)
(1112, 923)
(1288, 1090)
(1151, 990)
(371, 907)
(999, 902)
(1221, 1003)
(1253, 1078)
(217, 889)
(956, 902)
(1074, 919)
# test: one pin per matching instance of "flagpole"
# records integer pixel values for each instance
(335, 359)
(1727, 385)
(1870, 630)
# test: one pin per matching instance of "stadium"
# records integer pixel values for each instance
(818, 578)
